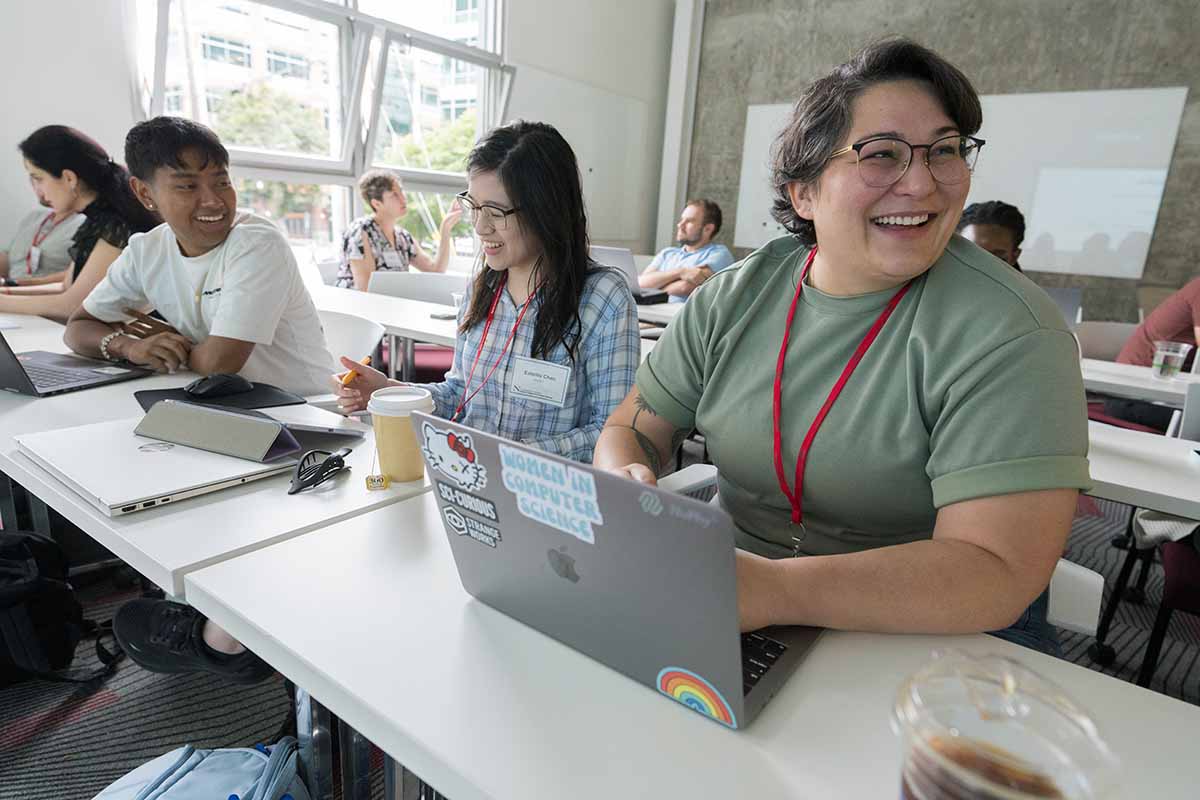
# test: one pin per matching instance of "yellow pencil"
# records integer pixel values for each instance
(351, 375)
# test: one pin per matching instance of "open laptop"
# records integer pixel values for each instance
(119, 472)
(1069, 301)
(638, 578)
(40, 373)
(621, 258)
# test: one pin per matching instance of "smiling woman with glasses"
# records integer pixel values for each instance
(897, 416)
(547, 340)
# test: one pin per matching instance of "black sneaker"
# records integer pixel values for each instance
(162, 636)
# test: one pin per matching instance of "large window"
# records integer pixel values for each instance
(306, 95)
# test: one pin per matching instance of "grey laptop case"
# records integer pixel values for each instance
(638, 578)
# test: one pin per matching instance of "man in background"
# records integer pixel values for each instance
(679, 271)
(996, 227)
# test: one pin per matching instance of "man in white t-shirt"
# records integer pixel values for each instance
(226, 283)
(233, 300)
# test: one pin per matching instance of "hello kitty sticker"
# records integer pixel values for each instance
(453, 455)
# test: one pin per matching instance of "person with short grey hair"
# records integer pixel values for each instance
(375, 242)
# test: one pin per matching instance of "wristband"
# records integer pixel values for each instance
(104, 342)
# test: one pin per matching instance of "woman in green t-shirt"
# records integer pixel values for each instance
(878, 394)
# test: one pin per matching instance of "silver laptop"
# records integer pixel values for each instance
(119, 472)
(40, 373)
(638, 578)
(1069, 301)
(621, 258)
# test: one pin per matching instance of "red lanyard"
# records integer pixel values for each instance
(37, 241)
(483, 341)
(796, 498)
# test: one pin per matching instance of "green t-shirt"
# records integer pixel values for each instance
(972, 389)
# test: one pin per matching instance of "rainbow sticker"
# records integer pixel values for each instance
(685, 686)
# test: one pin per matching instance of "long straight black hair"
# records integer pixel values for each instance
(55, 148)
(539, 172)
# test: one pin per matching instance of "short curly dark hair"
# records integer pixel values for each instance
(995, 212)
(823, 115)
(375, 183)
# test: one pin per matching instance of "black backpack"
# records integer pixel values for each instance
(41, 621)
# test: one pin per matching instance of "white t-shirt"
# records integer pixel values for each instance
(249, 288)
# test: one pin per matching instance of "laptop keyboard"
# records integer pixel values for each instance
(45, 377)
(759, 654)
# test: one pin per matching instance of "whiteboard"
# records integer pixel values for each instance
(1087, 169)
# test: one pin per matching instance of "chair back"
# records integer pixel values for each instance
(348, 335)
(328, 270)
(1103, 340)
(430, 287)
(1070, 303)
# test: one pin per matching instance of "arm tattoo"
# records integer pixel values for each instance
(652, 457)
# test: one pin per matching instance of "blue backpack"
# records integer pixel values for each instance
(248, 773)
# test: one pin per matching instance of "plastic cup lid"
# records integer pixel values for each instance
(400, 401)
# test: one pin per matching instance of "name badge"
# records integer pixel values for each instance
(541, 381)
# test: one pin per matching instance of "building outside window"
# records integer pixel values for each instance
(466, 11)
(287, 65)
(228, 51)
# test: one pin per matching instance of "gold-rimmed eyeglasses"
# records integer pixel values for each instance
(494, 216)
(883, 161)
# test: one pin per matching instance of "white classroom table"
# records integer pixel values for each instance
(165, 543)
(480, 706)
(1145, 470)
(659, 313)
(1134, 382)
(401, 317)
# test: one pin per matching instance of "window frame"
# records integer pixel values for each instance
(356, 32)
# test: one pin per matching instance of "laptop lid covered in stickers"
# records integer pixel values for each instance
(638, 578)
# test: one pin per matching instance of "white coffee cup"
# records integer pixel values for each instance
(395, 442)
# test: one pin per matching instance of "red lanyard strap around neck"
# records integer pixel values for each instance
(38, 238)
(483, 341)
(796, 497)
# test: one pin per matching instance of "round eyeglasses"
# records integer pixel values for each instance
(884, 161)
(496, 218)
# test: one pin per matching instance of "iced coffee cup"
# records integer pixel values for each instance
(1169, 358)
(988, 728)
(391, 414)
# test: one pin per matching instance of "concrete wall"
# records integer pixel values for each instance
(64, 62)
(765, 51)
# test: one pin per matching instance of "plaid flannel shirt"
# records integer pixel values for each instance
(606, 362)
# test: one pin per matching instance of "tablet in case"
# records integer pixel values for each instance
(254, 437)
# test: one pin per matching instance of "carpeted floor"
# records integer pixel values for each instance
(59, 744)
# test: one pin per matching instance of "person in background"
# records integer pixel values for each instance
(996, 227)
(1177, 319)
(74, 175)
(897, 418)
(375, 242)
(681, 270)
(38, 251)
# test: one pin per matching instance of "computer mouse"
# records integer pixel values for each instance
(220, 384)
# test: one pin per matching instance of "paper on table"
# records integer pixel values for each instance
(9, 321)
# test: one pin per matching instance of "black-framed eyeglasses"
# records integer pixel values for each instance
(884, 160)
(494, 216)
(316, 467)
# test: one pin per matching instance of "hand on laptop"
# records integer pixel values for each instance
(353, 395)
(161, 352)
(639, 472)
(143, 326)
(755, 590)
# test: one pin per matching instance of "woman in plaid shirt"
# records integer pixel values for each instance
(539, 304)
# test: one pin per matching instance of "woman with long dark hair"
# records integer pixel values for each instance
(73, 174)
(538, 297)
